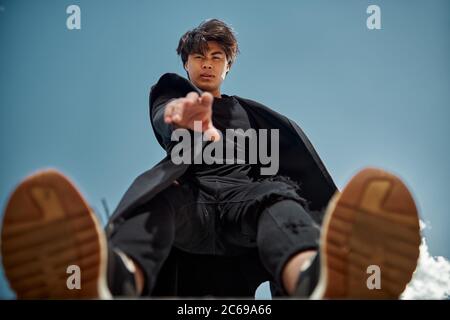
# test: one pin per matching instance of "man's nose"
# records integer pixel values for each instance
(207, 65)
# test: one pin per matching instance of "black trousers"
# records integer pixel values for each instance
(220, 237)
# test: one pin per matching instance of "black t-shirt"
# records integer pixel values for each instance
(227, 113)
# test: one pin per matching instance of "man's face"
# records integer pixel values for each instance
(208, 71)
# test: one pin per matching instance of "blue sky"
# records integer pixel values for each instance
(77, 100)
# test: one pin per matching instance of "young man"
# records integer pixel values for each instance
(196, 228)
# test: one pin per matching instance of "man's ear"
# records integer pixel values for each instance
(228, 69)
(187, 72)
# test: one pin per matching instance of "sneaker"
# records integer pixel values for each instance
(49, 237)
(369, 243)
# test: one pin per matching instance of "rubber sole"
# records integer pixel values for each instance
(370, 239)
(48, 233)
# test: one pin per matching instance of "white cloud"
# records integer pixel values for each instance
(431, 280)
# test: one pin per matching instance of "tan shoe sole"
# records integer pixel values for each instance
(373, 222)
(47, 227)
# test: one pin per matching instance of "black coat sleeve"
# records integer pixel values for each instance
(163, 129)
(170, 86)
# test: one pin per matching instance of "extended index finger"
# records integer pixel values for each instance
(192, 96)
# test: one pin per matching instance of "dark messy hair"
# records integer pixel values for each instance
(195, 40)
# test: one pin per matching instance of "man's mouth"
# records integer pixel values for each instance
(206, 76)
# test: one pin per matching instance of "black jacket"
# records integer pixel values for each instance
(298, 159)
